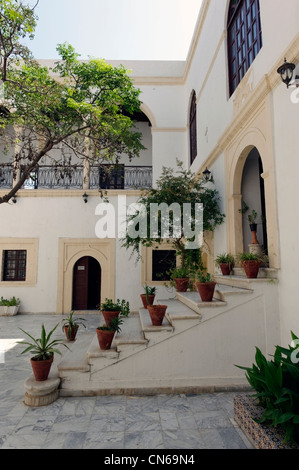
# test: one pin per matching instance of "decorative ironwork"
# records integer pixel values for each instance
(49, 177)
(6, 176)
(100, 176)
(120, 177)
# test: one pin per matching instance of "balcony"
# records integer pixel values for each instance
(77, 177)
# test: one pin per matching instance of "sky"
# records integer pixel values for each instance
(116, 29)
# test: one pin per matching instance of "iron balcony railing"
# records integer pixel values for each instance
(100, 176)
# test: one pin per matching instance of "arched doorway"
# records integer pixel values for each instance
(253, 196)
(86, 284)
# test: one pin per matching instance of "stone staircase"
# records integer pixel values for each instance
(195, 349)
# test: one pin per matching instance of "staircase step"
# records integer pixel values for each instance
(225, 292)
(240, 281)
(269, 273)
(147, 326)
(76, 358)
(176, 310)
(194, 302)
(131, 331)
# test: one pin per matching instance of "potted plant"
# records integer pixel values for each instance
(112, 309)
(205, 286)
(180, 278)
(9, 307)
(105, 333)
(149, 296)
(225, 262)
(250, 262)
(252, 219)
(157, 313)
(70, 326)
(43, 350)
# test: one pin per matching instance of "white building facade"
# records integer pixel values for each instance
(225, 109)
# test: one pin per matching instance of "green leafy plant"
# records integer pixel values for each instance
(252, 216)
(44, 347)
(179, 272)
(114, 325)
(225, 258)
(276, 383)
(77, 105)
(70, 322)
(204, 277)
(149, 290)
(248, 256)
(12, 302)
(120, 305)
(174, 188)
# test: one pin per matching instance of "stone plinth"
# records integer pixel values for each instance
(256, 249)
(41, 393)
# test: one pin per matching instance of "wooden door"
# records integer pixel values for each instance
(86, 284)
(80, 284)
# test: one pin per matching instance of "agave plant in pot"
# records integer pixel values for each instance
(205, 285)
(112, 309)
(43, 350)
(105, 333)
(148, 296)
(226, 262)
(70, 326)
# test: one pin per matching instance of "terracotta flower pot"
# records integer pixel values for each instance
(157, 313)
(151, 299)
(251, 268)
(71, 333)
(105, 338)
(225, 269)
(109, 315)
(41, 369)
(181, 284)
(206, 290)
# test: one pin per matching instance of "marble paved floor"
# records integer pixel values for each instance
(182, 421)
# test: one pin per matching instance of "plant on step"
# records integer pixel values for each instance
(43, 350)
(70, 325)
(248, 256)
(205, 285)
(251, 262)
(226, 262)
(12, 302)
(276, 383)
(114, 325)
(105, 333)
(204, 277)
(149, 295)
(149, 290)
(121, 306)
(179, 278)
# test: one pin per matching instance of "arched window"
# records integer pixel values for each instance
(193, 128)
(244, 38)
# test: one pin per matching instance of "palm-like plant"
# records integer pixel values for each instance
(72, 324)
(44, 347)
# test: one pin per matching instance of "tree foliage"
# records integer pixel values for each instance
(175, 186)
(84, 109)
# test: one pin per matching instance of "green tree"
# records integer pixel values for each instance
(84, 109)
(174, 188)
